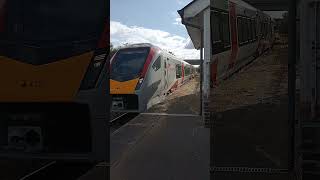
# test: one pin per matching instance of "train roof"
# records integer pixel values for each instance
(136, 45)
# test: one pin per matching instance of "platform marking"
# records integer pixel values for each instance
(38, 170)
(248, 170)
(268, 156)
(103, 164)
(167, 114)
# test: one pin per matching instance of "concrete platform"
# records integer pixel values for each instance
(158, 147)
(250, 112)
(251, 136)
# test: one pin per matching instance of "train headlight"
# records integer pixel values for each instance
(139, 83)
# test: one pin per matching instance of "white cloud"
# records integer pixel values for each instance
(178, 21)
(189, 45)
(180, 2)
(183, 2)
(180, 46)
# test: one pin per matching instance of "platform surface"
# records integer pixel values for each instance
(158, 147)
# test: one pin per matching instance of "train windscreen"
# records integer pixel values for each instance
(40, 32)
(128, 63)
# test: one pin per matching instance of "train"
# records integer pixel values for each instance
(239, 32)
(248, 34)
(142, 75)
(54, 79)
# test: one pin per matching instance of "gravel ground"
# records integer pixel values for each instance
(185, 100)
(263, 81)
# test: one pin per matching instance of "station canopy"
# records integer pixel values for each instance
(192, 18)
(193, 61)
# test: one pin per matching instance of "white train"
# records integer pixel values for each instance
(142, 75)
(238, 31)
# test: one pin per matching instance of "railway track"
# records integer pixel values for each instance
(120, 120)
(53, 170)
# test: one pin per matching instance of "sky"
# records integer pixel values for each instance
(152, 21)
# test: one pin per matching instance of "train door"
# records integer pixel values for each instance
(165, 74)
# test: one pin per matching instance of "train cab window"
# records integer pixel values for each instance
(128, 63)
(48, 30)
(157, 64)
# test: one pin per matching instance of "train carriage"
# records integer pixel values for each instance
(142, 75)
(239, 32)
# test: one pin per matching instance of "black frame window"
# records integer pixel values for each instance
(250, 34)
(216, 38)
(225, 29)
(178, 71)
(247, 30)
(254, 29)
(239, 27)
(187, 71)
(157, 64)
(220, 31)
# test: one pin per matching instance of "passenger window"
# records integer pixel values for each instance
(220, 32)
(249, 29)
(239, 27)
(216, 28)
(264, 29)
(226, 30)
(178, 71)
(254, 31)
(187, 71)
(157, 64)
(245, 30)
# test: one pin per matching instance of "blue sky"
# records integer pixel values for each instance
(152, 21)
(153, 14)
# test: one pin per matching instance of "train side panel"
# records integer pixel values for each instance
(153, 92)
(249, 32)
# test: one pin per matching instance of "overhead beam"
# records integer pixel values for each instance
(193, 61)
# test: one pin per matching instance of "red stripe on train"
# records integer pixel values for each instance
(147, 63)
(214, 71)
